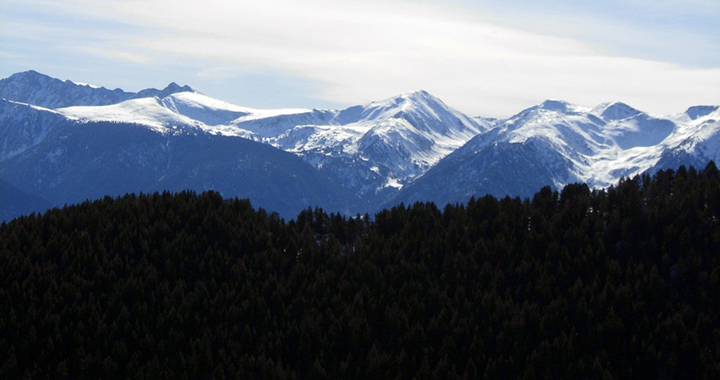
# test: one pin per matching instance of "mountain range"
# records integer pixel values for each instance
(63, 142)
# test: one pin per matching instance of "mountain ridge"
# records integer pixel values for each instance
(566, 144)
(68, 161)
(410, 147)
(43, 90)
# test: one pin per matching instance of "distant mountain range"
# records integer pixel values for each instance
(63, 142)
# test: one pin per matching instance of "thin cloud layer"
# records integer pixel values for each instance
(362, 51)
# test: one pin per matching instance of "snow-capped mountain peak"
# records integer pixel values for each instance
(414, 98)
(547, 111)
(387, 142)
(420, 108)
(696, 112)
(170, 89)
(389, 108)
(183, 108)
(38, 89)
(615, 111)
(32, 77)
(406, 99)
(408, 147)
(173, 87)
(556, 105)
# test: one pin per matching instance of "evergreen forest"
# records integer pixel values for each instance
(618, 283)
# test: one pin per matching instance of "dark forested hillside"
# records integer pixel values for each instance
(619, 283)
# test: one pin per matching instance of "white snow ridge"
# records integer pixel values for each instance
(409, 147)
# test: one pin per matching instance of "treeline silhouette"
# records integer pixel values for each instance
(616, 283)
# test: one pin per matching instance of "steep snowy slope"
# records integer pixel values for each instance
(74, 161)
(695, 141)
(23, 126)
(373, 149)
(421, 125)
(404, 135)
(377, 148)
(500, 169)
(556, 143)
(192, 109)
(267, 125)
(631, 128)
(411, 147)
(614, 111)
(543, 145)
(150, 112)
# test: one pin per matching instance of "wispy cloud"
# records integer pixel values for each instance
(113, 53)
(218, 72)
(364, 50)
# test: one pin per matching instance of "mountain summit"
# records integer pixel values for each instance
(556, 143)
(615, 111)
(63, 142)
(170, 89)
(700, 111)
(38, 89)
(41, 90)
(379, 147)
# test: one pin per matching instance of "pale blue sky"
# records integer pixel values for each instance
(483, 57)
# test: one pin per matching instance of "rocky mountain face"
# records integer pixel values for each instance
(65, 142)
(377, 148)
(41, 90)
(66, 161)
(14, 202)
(556, 143)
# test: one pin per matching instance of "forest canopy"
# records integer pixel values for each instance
(616, 283)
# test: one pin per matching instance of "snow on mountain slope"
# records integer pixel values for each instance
(150, 112)
(602, 145)
(41, 90)
(331, 140)
(390, 141)
(80, 160)
(204, 109)
(695, 141)
(500, 169)
(487, 122)
(213, 112)
(170, 89)
(422, 124)
(23, 126)
(410, 147)
(268, 125)
(556, 143)
(557, 131)
(614, 111)
(383, 144)
(695, 112)
(401, 137)
(177, 111)
(421, 109)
